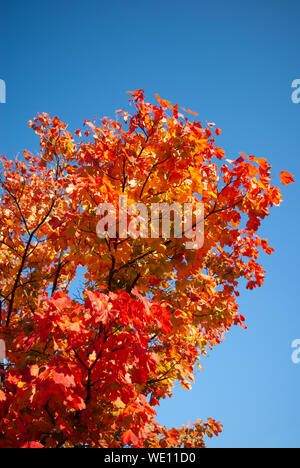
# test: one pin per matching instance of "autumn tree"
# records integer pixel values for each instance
(99, 330)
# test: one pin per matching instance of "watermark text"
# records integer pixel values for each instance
(157, 221)
(2, 351)
(2, 92)
(296, 352)
(296, 92)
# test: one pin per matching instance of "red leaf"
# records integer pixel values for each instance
(62, 379)
(55, 223)
(193, 297)
(129, 437)
(32, 445)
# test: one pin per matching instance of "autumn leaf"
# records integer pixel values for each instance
(286, 178)
(188, 111)
(62, 379)
(55, 223)
(32, 445)
(164, 104)
(129, 438)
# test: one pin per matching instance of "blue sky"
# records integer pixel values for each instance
(233, 62)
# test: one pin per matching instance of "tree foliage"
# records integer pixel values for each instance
(89, 368)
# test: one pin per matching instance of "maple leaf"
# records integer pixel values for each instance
(129, 437)
(33, 445)
(55, 222)
(193, 297)
(62, 379)
(101, 308)
(286, 178)
(190, 112)
(164, 104)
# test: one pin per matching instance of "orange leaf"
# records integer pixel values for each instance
(189, 111)
(163, 102)
(286, 178)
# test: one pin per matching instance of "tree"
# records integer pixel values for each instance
(88, 368)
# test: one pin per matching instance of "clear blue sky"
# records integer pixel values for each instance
(234, 63)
